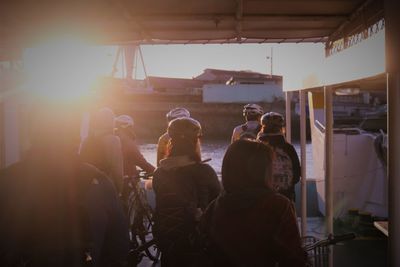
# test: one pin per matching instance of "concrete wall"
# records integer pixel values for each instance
(242, 93)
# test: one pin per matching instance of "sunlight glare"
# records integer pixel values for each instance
(60, 69)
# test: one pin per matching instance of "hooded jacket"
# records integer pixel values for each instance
(253, 227)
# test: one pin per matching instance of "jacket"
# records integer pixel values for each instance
(184, 187)
(250, 125)
(253, 227)
(57, 210)
(132, 157)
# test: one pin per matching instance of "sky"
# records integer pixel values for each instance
(69, 61)
(292, 61)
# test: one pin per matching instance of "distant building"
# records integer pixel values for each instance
(240, 86)
(212, 86)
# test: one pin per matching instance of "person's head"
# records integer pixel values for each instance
(177, 113)
(252, 112)
(102, 122)
(247, 164)
(125, 123)
(184, 134)
(272, 123)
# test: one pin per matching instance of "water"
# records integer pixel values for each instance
(215, 149)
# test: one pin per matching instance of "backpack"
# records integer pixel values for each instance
(175, 215)
(282, 170)
(249, 133)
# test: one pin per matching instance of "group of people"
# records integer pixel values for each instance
(64, 208)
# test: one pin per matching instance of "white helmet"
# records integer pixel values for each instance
(178, 113)
(252, 109)
(124, 121)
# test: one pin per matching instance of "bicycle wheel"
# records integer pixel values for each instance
(141, 225)
(152, 252)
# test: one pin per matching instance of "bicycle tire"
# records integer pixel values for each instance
(152, 252)
(140, 218)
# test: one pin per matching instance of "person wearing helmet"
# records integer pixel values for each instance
(183, 187)
(250, 129)
(102, 148)
(132, 157)
(164, 139)
(286, 165)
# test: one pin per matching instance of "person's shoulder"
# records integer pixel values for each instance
(239, 128)
(164, 137)
(205, 169)
(278, 201)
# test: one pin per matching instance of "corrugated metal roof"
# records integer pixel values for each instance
(185, 21)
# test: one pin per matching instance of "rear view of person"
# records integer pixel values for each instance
(57, 210)
(249, 224)
(132, 158)
(164, 139)
(286, 166)
(250, 129)
(183, 186)
(102, 148)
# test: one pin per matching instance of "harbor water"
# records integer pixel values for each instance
(215, 150)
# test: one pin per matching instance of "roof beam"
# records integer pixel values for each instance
(266, 17)
(121, 5)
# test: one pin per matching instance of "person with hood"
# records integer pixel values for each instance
(164, 139)
(249, 224)
(57, 210)
(132, 158)
(183, 187)
(102, 148)
(250, 129)
(286, 169)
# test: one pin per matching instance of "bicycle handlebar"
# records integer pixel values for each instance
(345, 237)
(331, 240)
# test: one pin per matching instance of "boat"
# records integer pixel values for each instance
(359, 166)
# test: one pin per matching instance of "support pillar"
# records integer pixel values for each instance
(288, 116)
(328, 159)
(303, 117)
(392, 49)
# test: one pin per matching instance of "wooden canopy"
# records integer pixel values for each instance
(184, 21)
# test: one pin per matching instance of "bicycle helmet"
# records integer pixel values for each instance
(272, 121)
(252, 109)
(184, 128)
(177, 113)
(124, 121)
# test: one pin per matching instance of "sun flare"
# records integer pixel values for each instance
(60, 69)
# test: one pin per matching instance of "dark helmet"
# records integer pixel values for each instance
(272, 121)
(184, 128)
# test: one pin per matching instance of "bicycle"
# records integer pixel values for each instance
(139, 214)
(318, 250)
